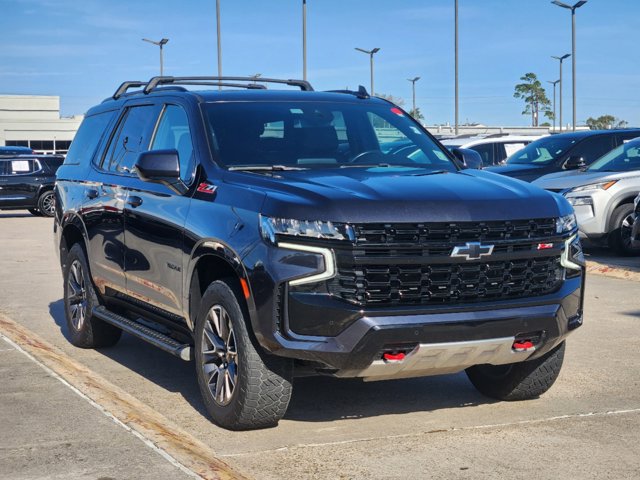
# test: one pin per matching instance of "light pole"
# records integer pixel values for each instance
(161, 44)
(304, 40)
(573, 9)
(370, 53)
(413, 87)
(554, 102)
(219, 39)
(561, 59)
(456, 62)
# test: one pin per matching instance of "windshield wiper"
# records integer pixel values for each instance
(264, 168)
(365, 165)
(434, 172)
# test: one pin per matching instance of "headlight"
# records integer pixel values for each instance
(270, 227)
(595, 186)
(566, 224)
(575, 201)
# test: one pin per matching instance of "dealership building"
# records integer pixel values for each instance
(34, 121)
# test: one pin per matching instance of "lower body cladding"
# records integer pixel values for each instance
(378, 345)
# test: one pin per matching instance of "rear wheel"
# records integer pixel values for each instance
(243, 388)
(518, 381)
(46, 204)
(620, 235)
(85, 330)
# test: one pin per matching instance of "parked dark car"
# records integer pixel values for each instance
(565, 151)
(6, 151)
(26, 182)
(270, 233)
(635, 227)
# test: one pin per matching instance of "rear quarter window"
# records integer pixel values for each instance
(84, 145)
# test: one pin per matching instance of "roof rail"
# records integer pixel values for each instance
(360, 93)
(215, 81)
(124, 86)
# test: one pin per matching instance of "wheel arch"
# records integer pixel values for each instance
(213, 261)
(72, 232)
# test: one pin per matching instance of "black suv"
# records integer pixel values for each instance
(272, 233)
(26, 181)
(565, 151)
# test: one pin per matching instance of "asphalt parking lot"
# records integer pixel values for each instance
(586, 426)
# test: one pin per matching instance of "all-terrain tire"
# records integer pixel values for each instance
(46, 203)
(518, 381)
(262, 387)
(85, 330)
(620, 234)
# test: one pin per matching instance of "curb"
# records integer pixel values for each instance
(149, 425)
(624, 273)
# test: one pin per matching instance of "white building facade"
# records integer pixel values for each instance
(34, 121)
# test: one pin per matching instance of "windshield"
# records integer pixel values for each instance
(307, 134)
(622, 159)
(543, 151)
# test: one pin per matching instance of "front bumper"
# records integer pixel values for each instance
(337, 337)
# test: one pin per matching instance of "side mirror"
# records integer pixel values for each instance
(574, 162)
(161, 166)
(468, 158)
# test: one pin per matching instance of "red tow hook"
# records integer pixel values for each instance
(393, 357)
(522, 345)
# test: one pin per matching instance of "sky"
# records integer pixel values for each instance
(82, 50)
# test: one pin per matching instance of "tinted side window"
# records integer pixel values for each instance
(593, 148)
(486, 153)
(86, 141)
(131, 138)
(173, 133)
(18, 167)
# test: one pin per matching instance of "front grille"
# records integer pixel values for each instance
(410, 264)
(447, 283)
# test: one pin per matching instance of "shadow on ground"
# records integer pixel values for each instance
(315, 399)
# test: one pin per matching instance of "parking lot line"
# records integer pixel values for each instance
(176, 445)
(444, 430)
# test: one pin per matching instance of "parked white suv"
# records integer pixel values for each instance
(493, 149)
(602, 196)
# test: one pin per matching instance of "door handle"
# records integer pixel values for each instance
(92, 193)
(134, 201)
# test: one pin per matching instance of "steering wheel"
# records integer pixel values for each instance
(358, 157)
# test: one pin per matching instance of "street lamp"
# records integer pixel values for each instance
(413, 86)
(456, 63)
(561, 59)
(554, 101)
(161, 44)
(573, 9)
(304, 40)
(219, 41)
(370, 53)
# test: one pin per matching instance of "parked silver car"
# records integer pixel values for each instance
(603, 195)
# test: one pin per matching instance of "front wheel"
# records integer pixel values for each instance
(620, 235)
(243, 388)
(518, 381)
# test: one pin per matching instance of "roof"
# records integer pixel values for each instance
(589, 133)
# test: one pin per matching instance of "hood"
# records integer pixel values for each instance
(385, 194)
(578, 178)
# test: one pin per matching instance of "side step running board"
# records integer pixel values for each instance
(155, 338)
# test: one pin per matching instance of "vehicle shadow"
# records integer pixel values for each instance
(12, 214)
(315, 399)
(166, 371)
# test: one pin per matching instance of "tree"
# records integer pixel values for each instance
(397, 100)
(417, 114)
(604, 122)
(534, 96)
